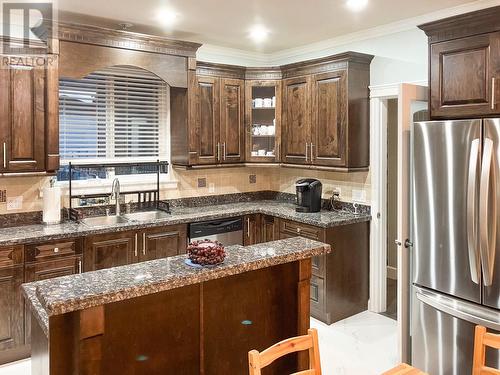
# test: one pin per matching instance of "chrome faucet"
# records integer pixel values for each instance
(115, 194)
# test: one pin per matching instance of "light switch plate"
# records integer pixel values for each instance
(14, 203)
(359, 195)
(211, 187)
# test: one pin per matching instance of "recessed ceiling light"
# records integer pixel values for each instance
(258, 33)
(356, 5)
(167, 16)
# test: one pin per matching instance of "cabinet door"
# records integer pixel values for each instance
(465, 77)
(252, 232)
(269, 229)
(110, 250)
(207, 117)
(329, 119)
(22, 117)
(232, 132)
(163, 242)
(11, 308)
(296, 121)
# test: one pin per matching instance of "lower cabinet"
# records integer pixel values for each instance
(269, 228)
(339, 282)
(251, 225)
(118, 249)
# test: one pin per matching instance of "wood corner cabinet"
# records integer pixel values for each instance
(29, 117)
(325, 114)
(207, 123)
(464, 65)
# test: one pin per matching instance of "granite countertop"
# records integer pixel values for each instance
(181, 215)
(76, 292)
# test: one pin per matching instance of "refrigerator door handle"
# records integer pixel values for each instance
(472, 227)
(487, 212)
(459, 309)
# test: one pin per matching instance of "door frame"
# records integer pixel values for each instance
(379, 95)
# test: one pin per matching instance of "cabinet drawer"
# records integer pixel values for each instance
(11, 256)
(53, 268)
(46, 251)
(299, 229)
(318, 265)
(317, 294)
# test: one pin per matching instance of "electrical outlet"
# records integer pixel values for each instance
(359, 195)
(3, 196)
(211, 187)
(252, 178)
(14, 203)
(202, 182)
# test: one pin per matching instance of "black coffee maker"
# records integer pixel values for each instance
(308, 195)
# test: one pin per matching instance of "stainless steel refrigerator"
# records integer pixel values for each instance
(456, 234)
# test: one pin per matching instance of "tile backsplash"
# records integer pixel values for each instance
(217, 181)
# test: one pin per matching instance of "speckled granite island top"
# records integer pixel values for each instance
(181, 215)
(76, 292)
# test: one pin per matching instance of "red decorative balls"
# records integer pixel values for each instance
(206, 252)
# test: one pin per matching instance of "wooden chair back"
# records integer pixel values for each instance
(257, 361)
(482, 340)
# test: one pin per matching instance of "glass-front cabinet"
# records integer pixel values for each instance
(263, 115)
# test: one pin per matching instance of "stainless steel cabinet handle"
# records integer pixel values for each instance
(493, 81)
(248, 227)
(79, 266)
(472, 235)
(144, 244)
(311, 149)
(218, 151)
(5, 155)
(307, 145)
(224, 151)
(487, 218)
(136, 240)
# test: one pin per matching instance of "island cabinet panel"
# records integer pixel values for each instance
(329, 118)
(269, 228)
(110, 250)
(163, 242)
(232, 131)
(296, 121)
(11, 310)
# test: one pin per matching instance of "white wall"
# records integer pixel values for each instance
(399, 57)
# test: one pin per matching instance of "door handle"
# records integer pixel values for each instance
(311, 149)
(218, 151)
(307, 145)
(79, 266)
(487, 221)
(224, 151)
(136, 240)
(5, 155)
(248, 227)
(144, 243)
(472, 235)
(493, 104)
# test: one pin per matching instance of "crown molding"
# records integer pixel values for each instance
(214, 53)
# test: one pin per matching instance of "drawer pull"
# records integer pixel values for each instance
(298, 230)
(56, 249)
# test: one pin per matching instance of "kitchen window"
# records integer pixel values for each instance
(117, 114)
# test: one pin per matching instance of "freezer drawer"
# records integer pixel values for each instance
(442, 336)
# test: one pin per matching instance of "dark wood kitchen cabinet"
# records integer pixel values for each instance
(110, 250)
(269, 228)
(339, 283)
(251, 228)
(207, 119)
(325, 119)
(464, 65)
(163, 242)
(29, 122)
(12, 332)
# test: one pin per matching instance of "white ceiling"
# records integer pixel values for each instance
(292, 23)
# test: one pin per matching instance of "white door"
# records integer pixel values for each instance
(412, 101)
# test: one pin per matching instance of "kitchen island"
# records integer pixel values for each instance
(163, 316)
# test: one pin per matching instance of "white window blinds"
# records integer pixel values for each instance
(115, 114)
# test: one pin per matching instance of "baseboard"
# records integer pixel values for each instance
(392, 273)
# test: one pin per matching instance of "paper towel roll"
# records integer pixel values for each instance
(52, 205)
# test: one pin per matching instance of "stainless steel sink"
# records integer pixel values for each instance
(147, 215)
(100, 221)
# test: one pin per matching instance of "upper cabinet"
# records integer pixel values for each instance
(207, 119)
(325, 118)
(29, 123)
(464, 65)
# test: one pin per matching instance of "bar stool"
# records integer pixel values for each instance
(257, 361)
(482, 339)
(404, 369)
